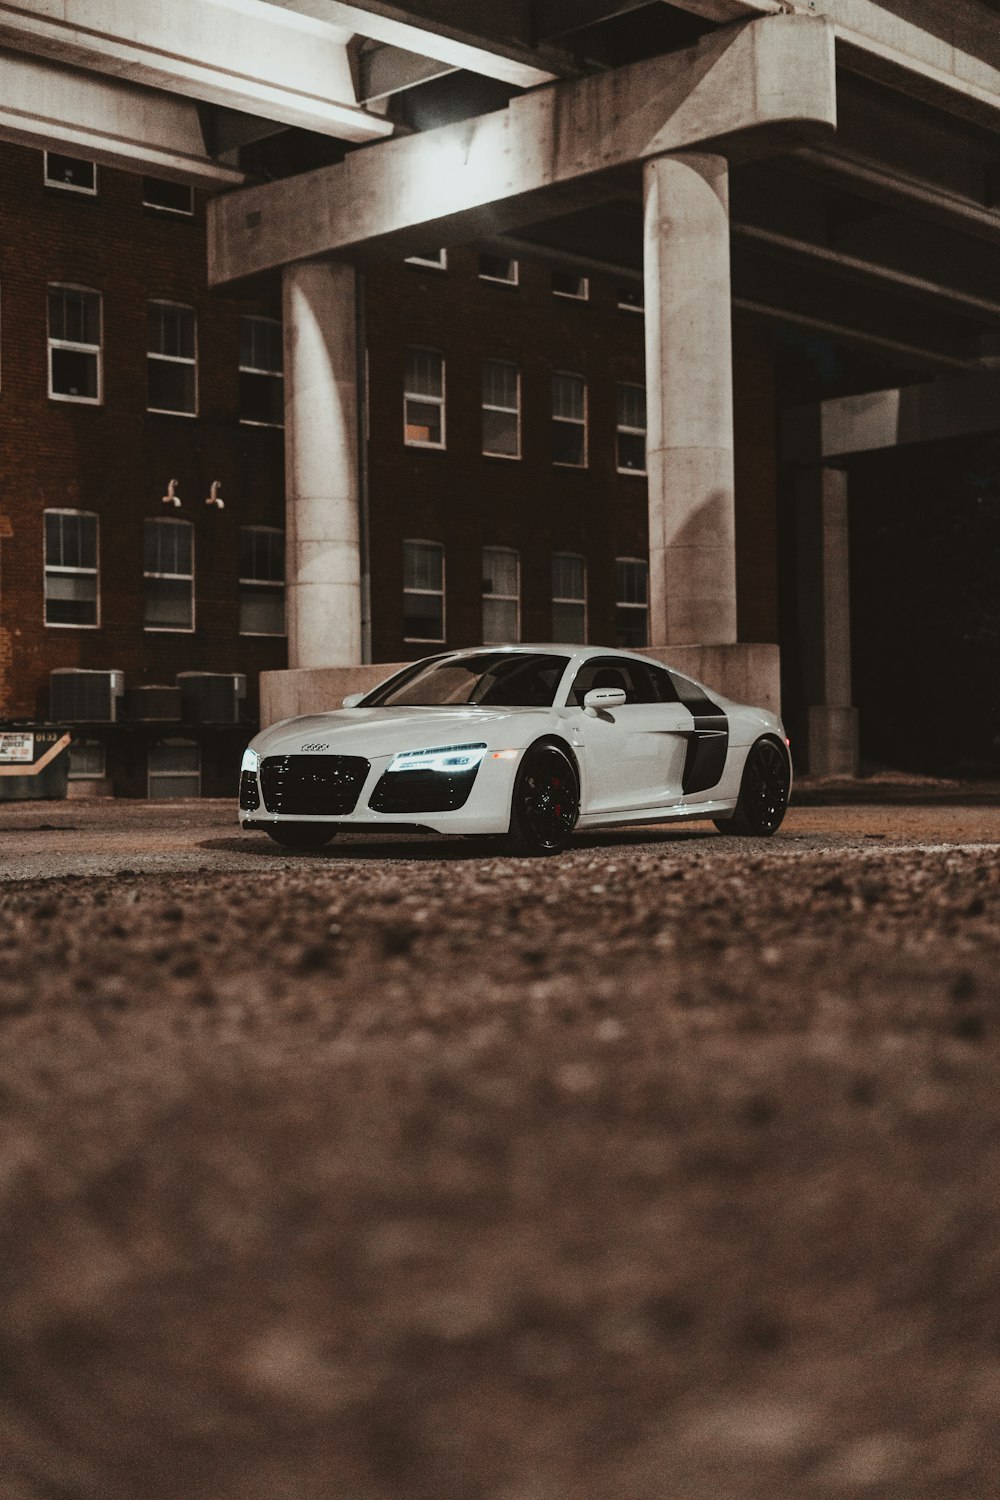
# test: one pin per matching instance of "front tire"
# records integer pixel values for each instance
(767, 778)
(545, 804)
(301, 835)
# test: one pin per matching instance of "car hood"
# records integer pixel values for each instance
(373, 732)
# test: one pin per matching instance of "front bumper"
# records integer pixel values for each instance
(426, 802)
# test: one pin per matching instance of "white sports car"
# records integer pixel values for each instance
(526, 743)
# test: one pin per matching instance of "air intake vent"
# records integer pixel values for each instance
(312, 785)
(78, 696)
(212, 697)
(153, 704)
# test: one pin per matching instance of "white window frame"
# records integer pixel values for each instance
(581, 296)
(564, 598)
(630, 604)
(438, 401)
(173, 359)
(243, 369)
(515, 265)
(68, 187)
(189, 577)
(621, 429)
(173, 740)
(77, 348)
(573, 421)
(441, 264)
(274, 583)
(58, 568)
(507, 410)
(504, 598)
(167, 208)
(432, 640)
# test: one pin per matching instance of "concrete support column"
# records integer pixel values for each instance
(323, 564)
(689, 382)
(825, 620)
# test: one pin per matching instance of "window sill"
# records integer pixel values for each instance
(272, 426)
(427, 447)
(169, 629)
(635, 473)
(65, 625)
(507, 458)
(77, 400)
(160, 411)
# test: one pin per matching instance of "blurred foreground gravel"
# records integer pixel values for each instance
(667, 1170)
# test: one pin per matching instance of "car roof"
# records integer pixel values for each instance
(561, 648)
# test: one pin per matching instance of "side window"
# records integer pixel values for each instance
(663, 685)
(613, 672)
(692, 696)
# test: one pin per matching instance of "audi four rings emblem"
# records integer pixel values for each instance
(323, 745)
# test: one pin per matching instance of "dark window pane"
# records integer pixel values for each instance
(174, 196)
(630, 629)
(568, 444)
(71, 599)
(262, 609)
(171, 386)
(500, 433)
(169, 603)
(70, 171)
(632, 451)
(423, 617)
(74, 373)
(262, 399)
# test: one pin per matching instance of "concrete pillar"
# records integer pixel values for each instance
(689, 380)
(323, 564)
(825, 620)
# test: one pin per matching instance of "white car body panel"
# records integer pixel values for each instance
(631, 761)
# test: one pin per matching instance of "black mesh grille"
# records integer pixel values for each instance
(249, 796)
(312, 785)
(422, 791)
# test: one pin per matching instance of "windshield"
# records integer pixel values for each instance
(503, 679)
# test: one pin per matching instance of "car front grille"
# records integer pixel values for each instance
(422, 791)
(312, 785)
(249, 798)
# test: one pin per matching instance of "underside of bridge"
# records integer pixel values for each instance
(831, 167)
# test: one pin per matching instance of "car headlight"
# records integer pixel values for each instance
(251, 760)
(453, 759)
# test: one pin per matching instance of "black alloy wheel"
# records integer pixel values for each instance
(767, 777)
(301, 835)
(545, 804)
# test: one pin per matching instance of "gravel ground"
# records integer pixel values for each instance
(666, 1170)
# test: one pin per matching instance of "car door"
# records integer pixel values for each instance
(635, 754)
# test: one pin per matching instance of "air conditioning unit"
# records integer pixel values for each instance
(212, 697)
(153, 702)
(80, 696)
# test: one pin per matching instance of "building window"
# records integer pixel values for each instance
(168, 197)
(631, 299)
(631, 602)
(569, 598)
(569, 420)
(501, 409)
(70, 173)
(423, 591)
(436, 259)
(423, 399)
(501, 596)
(498, 268)
(168, 579)
(70, 568)
(631, 431)
(174, 769)
(262, 379)
(262, 580)
(74, 344)
(568, 284)
(171, 366)
(86, 760)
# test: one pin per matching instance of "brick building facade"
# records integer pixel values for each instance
(504, 414)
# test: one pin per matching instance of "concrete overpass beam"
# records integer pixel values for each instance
(117, 124)
(322, 531)
(246, 55)
(689, 379)
(752, 89)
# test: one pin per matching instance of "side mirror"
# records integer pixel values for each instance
(601, 699)
(352, 700)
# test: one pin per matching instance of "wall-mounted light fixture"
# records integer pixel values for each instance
(215, 495)
(171, 497)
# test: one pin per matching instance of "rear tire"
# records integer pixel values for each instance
(767, 778)
(545, 804)
(301, 835)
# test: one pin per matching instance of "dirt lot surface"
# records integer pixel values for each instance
(665, 1170)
